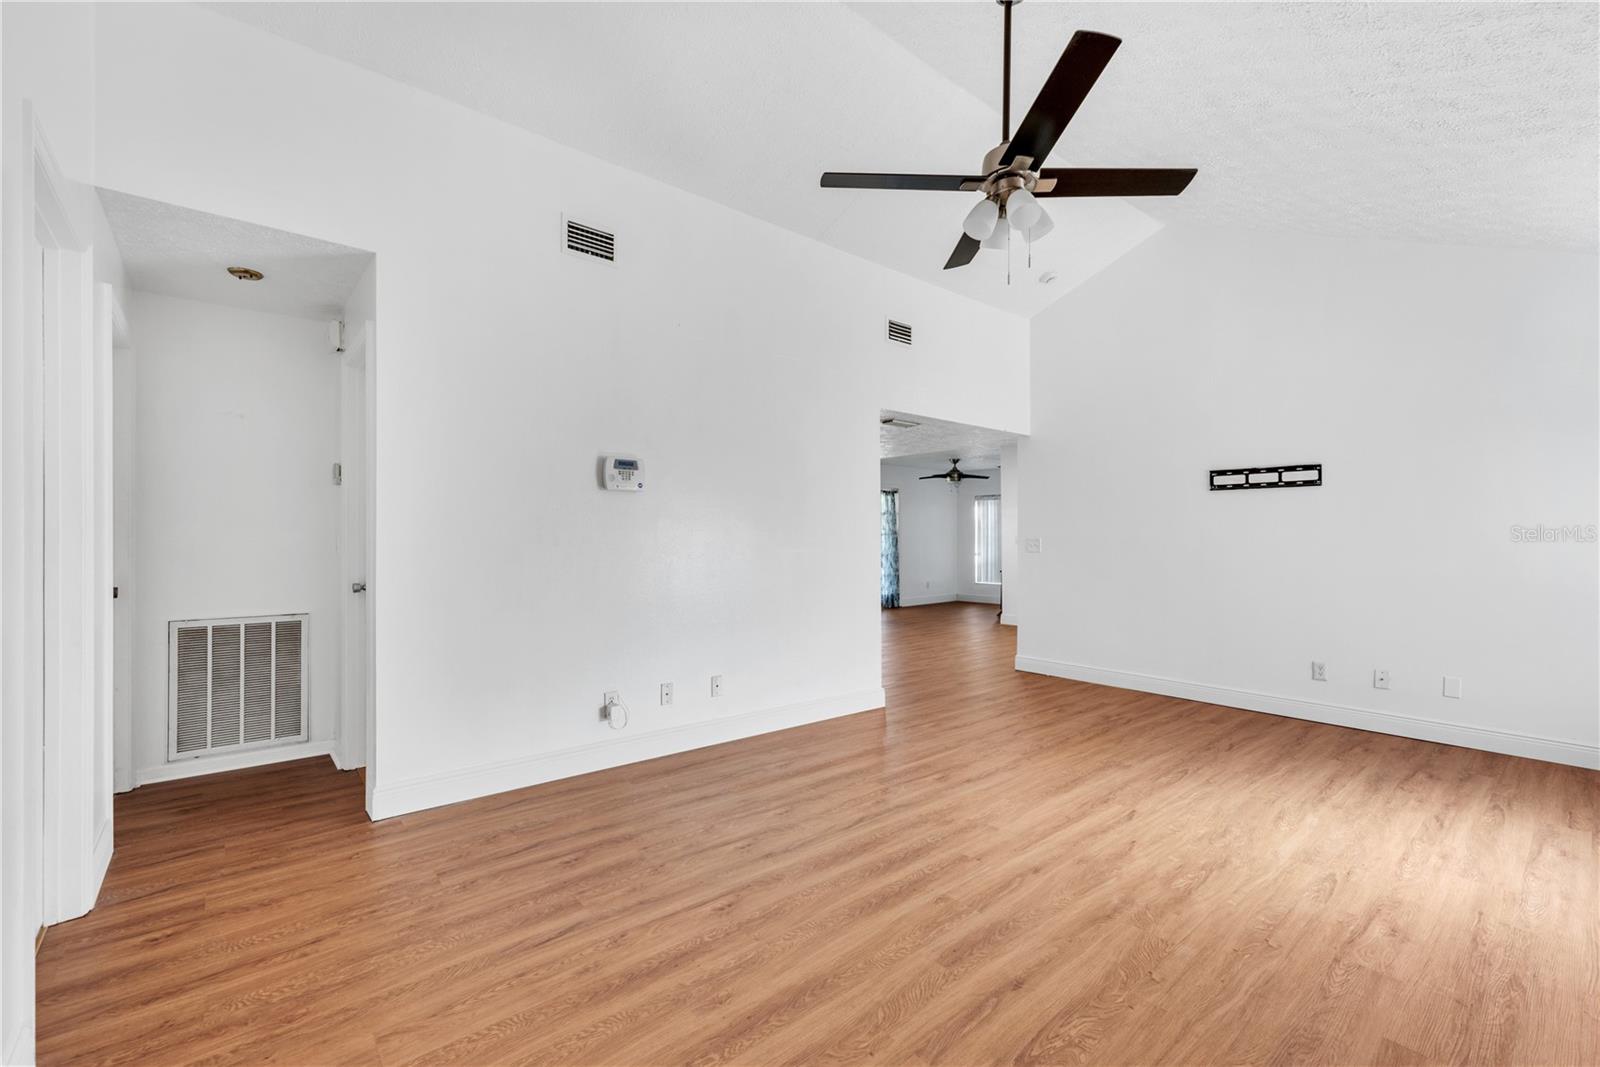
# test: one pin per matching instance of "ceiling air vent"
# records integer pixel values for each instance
(589, 241)
(899, 332)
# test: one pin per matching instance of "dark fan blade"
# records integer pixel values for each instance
(1086, 55)
(951, 183)
(979, 477)
(1112, 181)
(930, 477)
(965, 249)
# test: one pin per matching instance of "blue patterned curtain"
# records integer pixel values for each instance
(889, 548)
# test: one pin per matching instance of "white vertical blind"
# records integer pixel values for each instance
(986, 539)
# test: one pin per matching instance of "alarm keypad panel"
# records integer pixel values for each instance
(624, 473)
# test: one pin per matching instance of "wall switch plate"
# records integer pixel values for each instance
(1030, 544)
(1380, 679)
(666, 693)
(1319, 671)
(1452, 687)
(716, 685)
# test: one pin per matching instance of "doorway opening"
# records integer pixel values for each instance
(947, 512)
(242, 416)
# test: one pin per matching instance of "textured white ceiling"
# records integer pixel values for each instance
(1457, 123)
(935, 441)
(180, 252)
(1444, 122)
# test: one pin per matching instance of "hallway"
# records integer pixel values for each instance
(1001, 868)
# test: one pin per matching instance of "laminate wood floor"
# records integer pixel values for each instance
(1002, 868)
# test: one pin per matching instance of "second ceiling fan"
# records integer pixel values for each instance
(1013, 176)
(955, 474)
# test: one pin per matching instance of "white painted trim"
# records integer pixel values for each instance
(434, 790)
(1007, 619)
(66, 345)
(234, 761)
(1530, 746)
(20, 1054)
(924, 601)
(104, 846)
(945, 598)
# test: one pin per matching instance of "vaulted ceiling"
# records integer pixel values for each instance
(1452, 123)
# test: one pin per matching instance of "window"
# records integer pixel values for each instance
(986, 540)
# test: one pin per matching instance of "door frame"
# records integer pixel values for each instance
(63, 520)
(357, 746)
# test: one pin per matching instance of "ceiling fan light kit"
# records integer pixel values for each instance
(1000, 236)
(1012, 178)
(982, 219)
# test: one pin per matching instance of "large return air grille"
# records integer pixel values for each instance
(899, 332)
(236, 684)
(589, 241)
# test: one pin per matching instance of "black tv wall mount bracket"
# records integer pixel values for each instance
(1267, 477)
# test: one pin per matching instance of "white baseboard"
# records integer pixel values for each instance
(1007, 619)
(103, 847)
(1531, 746)
(450, 787)
(947, 598)
(343, 760)
(19, 1053)
(258, 757)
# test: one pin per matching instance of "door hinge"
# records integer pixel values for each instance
(338, 474)
(358, 587)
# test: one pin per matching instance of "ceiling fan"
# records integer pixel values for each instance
(955, 475)
(1013, 177)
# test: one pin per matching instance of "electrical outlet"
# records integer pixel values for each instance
(1319, 671)
(1452, 687)
(1380, 679)
(716, 685)
(666, 693)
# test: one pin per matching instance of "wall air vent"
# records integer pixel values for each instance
(589, 241)
(235, 684)
(899, 332)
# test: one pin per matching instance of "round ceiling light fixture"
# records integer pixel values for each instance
(246, 274)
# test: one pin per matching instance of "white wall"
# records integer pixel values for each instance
(504, 583)
(1450, 394)
(927, 535)
(237, 431)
